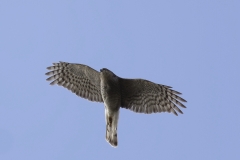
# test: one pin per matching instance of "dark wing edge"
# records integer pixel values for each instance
(143, 96)
(80, 79)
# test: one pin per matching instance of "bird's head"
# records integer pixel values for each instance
(106, 72)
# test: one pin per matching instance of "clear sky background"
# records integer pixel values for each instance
(193, 46)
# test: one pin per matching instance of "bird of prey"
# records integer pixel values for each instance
(138, 95)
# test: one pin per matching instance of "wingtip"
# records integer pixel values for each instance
(184, 100)
(180, 111)
(48, 73)
(175, 113)
(49, 68)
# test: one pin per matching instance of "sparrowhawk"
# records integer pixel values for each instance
(138, 95)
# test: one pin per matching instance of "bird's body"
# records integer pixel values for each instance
(138, 95)
(112, 102)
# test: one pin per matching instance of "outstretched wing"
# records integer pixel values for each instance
(80, 79)
(144, 96)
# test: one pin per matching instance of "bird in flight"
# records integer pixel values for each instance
(138, 95)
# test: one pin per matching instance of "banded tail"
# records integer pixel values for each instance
(111, 128)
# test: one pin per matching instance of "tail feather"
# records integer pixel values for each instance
(111, 136)
(111, 127)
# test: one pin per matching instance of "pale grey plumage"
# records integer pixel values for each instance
(138, 95)
(80, 79)
(144, 96)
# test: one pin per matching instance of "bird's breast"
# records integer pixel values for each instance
(111, 95)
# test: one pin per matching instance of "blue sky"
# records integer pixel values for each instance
(193, 46)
